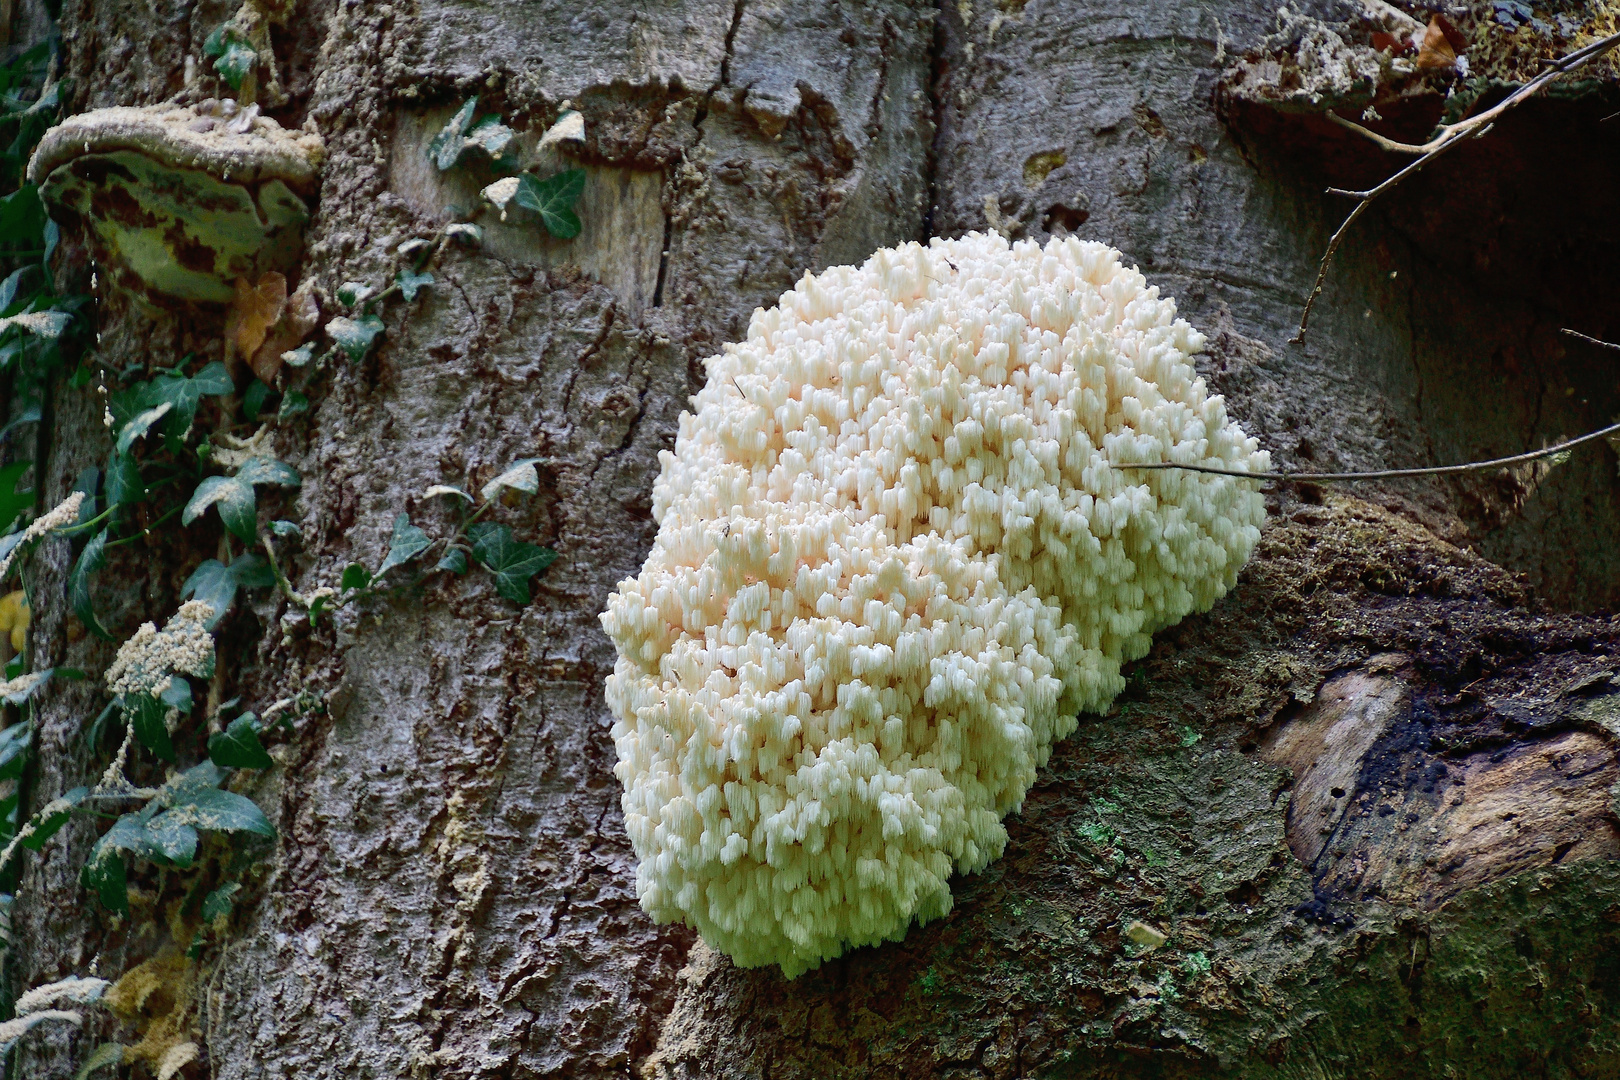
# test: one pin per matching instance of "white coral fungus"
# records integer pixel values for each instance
(146, 661)
(896, 555)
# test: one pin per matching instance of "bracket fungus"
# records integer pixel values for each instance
(177, 202)
(898, 551)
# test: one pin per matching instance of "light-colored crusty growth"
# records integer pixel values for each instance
(148, 660)
(62, 515)
(896, 556)
(180, 201)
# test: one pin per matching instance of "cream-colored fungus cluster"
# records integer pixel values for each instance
(896, 555)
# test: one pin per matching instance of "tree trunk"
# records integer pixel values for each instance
(1366, 799)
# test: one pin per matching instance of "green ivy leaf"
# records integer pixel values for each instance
(187, 390)
(145, 713)
(220, 811)
(410, 282)
(125, 403)
(215, 584)
(355, 576)
(47, 824)
(351, 293)
(137, 427)
(406, 544)
(236, 60)
(292, 403)
(238, 746)
(233, 495)
(14, 743)
(191, 802)
(124, 484)
(447, 146)
(177, 695)
(490, 137)
(89, 480)
(454, 560)
(9, 287)
(170, 838)
(354, 336)
(22, 215)
(220, 901)
(553, 199)
(252, 571)
(300, 356)
(184, 393)
(284, 529)
(103, 874)
(263, 470)
(12, 501)
(253, 399)
(204, 774)
(513, 562)
(30, 415)
(90, 562)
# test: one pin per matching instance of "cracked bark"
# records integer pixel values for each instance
(453, 894)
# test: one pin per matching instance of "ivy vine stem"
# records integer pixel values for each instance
(281, 579)
(147, 531)
(87, 526)
(427, 257)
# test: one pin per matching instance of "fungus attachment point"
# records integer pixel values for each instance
(178, 203)
(889, 575)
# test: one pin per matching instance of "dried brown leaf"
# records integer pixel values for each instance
(1436, 50)
(298, 318)
(1391, 43)
(1459, 43)
(254, 310)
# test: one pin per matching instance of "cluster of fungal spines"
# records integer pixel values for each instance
(898, 552)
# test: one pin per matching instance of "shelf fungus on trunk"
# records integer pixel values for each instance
(178, 202)
(900, 547)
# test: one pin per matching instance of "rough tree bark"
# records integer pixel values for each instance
(1367, 797)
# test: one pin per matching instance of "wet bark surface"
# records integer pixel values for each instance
(1366, 799)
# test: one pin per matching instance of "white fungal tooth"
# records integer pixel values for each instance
(899, 551)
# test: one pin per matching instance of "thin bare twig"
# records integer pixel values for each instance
(1387, 474)
(1389, 144)
(1450, 135)
(1590, 340)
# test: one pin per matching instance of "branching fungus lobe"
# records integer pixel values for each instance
(895, 558)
